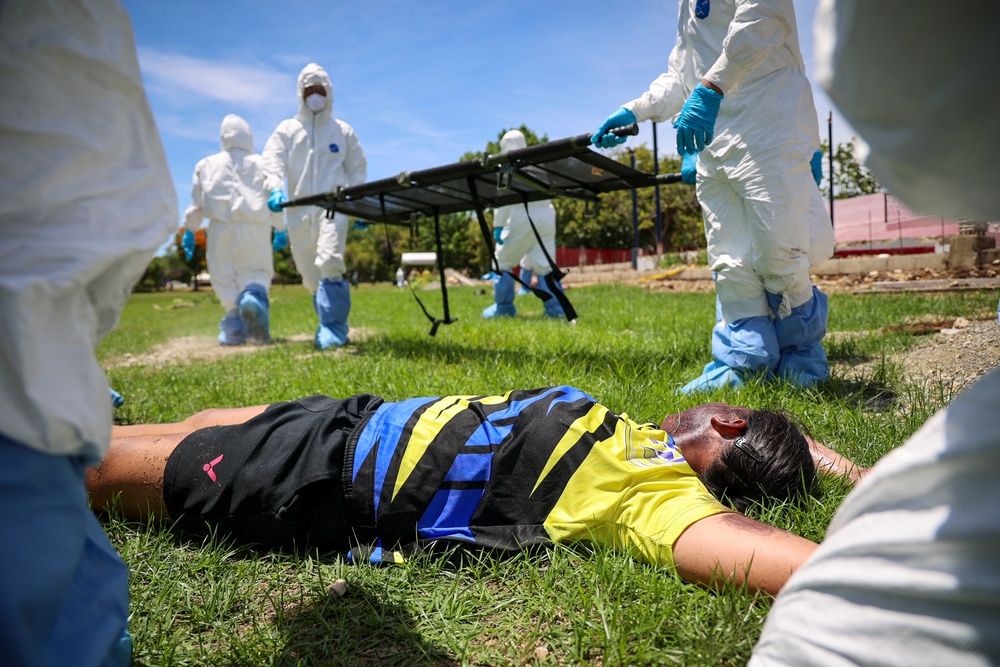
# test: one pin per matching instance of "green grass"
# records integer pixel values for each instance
(210, 603)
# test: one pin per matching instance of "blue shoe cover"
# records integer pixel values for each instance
(552, 306)
(714, 376)
(748, 345)
(503, 295)
(231, 329)
(333, 305)
(500, 310)
(121, 652)
(326, 339)
(804, 367)
(525, 278)
(253, 311)
(117, 400)
(800, 334)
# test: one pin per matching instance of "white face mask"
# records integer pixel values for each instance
(316, 102)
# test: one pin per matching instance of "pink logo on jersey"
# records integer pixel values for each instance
(208, 467)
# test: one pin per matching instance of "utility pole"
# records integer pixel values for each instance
(635, 219)
(656, 189)
(829, 134)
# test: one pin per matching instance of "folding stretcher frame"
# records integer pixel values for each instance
(560, 168)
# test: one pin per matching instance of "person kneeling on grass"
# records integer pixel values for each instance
(380, 480)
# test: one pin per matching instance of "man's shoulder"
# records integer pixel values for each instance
(288, 127)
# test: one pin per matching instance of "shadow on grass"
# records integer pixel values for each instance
(572, 355)
(360, 628)
(868, 394)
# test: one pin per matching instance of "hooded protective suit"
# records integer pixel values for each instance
(228, 189)
(519, 242)
(765, 221)
(85, 199)
(317, 153)
(907, 573)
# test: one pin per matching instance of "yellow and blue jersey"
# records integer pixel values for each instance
(522, 469)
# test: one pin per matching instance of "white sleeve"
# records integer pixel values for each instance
(501, 217)
(758, 27)
(666, 95)
(275, 160)
(356, 164)
(194, 213)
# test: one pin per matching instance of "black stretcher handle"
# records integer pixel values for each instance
(666, 179)
(322, 199)
(625, 131)
(552, 147)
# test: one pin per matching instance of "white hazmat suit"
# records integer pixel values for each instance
(517, 241)
(228, 189)
(85, 199)
(765, 221)
(316, 153)
(908, 574)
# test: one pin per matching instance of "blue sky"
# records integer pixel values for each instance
(421, 81)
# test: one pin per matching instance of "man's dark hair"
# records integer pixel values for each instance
(770, 460)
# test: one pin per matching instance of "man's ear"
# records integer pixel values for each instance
(729, 427)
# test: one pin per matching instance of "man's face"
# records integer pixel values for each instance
(688, 418)
(314, 89)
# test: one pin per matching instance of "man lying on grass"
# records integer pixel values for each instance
(379, 480)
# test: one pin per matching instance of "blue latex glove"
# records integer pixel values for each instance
(497, 231)
(361, 225)
(117, 400)
(187, 242)
(620, 118)
(277, 198)
(696, 123)
(689, 168)
(816, 164)
(280, 241)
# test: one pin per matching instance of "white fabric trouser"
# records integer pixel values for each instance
(519, 243)
(238, 254)
(318, 245)
(764, 228)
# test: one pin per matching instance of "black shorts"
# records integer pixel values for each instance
(275, 480)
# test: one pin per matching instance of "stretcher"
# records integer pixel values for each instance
(560, 168)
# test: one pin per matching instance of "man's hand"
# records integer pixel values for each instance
(816, 164)
(280, 241)
(187, 242)
(689, 168)
(276, 199)
(696, 123)
(603, 137)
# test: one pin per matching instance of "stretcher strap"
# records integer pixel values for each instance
(488, 239)
(481, 217)
(447, 319)
(388, 242)
(553, 277)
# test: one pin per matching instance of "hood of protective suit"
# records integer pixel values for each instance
(512, 140)
(310, 75)
(235, 133)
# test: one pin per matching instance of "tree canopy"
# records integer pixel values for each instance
(851, 178)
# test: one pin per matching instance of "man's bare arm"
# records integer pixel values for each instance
(829, 462)
(734, 548)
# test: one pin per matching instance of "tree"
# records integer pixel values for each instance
(612, 226)
(851, 178)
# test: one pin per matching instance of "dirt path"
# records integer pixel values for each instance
(187, 349)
